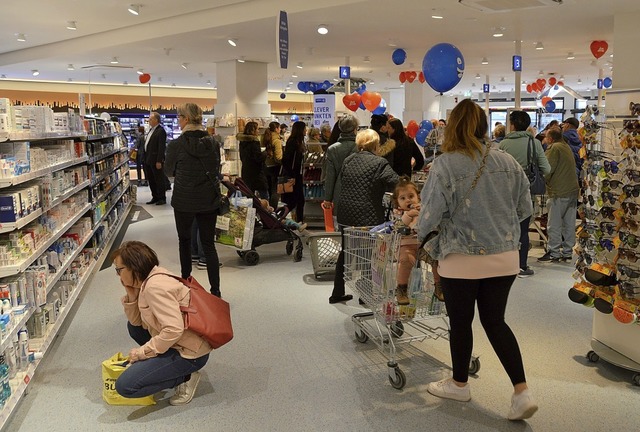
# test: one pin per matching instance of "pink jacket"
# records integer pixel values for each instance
(158, 310)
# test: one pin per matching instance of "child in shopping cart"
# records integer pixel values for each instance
(406, 204)
(301, 227)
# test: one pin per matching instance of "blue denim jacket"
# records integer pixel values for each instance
(488, 222)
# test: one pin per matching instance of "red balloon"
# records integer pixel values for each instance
(599, 48)
(552, 81)
(534, 87)
(371, 100)
(421, 77)
(541, 83)
(403, 77)
(411, 76)
(144, 78)
(352, 101)
(545, 100)
(412, 128)
(529, 88)
(561, 83)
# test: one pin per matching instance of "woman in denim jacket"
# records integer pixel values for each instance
(478, 220)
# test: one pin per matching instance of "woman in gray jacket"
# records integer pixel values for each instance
(475, 198)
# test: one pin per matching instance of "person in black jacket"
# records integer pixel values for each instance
(292, 167)
(154, 148)
(253, 160)
(406, 149)
(194, 160)
(365, 178)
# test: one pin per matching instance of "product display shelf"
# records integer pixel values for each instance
(18, 268)
(104, 216)
(106, 193)
(107, 243)
(66, 195)
(20, 383)
(12, 181)
(95, 159)
(6, 227)
(25, 136)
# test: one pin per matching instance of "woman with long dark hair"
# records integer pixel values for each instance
(292, 167)
(253, 167)
(272, 143)
(406, 149)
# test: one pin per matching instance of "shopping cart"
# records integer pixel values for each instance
(325, 248)
(371, 264)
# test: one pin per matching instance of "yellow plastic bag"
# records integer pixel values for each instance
(112, 368)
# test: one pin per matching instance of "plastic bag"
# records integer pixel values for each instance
(112, 368)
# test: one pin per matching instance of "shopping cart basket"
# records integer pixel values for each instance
(325, 248)
(371, 264)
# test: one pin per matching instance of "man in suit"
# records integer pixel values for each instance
(155, 145)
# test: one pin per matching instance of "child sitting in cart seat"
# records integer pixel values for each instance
(301, 227)
(406, 203)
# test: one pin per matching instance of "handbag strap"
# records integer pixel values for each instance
(531, 143)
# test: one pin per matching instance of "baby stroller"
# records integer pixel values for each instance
(268, 228)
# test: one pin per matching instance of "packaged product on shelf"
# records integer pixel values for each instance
(12, 361)
(23, 349)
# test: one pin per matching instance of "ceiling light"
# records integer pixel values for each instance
(299, 66)
(233, 42)
(104, 76)
(336, 80)
(173, 84)
(611, 55)
(294, 75)
(139, 72)
(208, 82)
(71, 25)
(366, 59)
(570, 56)
(35, 72)
(322, 29)
(184, 65)
(579, 81)
(159, 79)
(200, 74)
(69, 79)
(437, 17)
(125, 83)
(473, 84)
(371, 83)
(3, 76)
(21, 37)
(502, 79)
(498, 32)
(134, 9)
(540, 72)
(114, 60)
(70, 67)
(594, 63)
(241, 59)
(392, 43)
(539, 46)
(290, 82)
(485, 61)
(477, 76)
(561, 78)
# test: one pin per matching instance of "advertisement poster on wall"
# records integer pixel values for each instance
(324, 109)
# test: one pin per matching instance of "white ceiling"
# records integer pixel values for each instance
(196, 32)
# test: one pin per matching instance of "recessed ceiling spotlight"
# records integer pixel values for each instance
(539, 46)
(125, 83)
(594, 63)
(114, 60)
(159, 79)
(241, 59)
(437, 17)
(322, 29)
(498, 32)
(392, 43)
(69, 79)
(366, 59)
(21, 37)
(561, 78)
(473, 84)
(485, 61)
(299, 66)
(208, 82)
(3, 76)
(200, 74)
(290, 82)
(570, 56)
(477, 76)
(134, 8)
(233, 42)
(35, 72)
(71, 25)
(502, 79)
(371, 83)
(540, 72)
(294, 75)
(579, 81)
(104, 76)
(70, 67)
(139, 71)
(336, 80)
(611, 55)
(185, 65)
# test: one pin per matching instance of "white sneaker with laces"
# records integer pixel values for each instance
(523, 406)
(447, 389)
(186, 390)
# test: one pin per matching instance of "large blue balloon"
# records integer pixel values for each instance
(443, 67)
(421, 136)
(381, 108)
(426, 124)
(295, 118)
(550, 106)
(607, 82)
(302, 86)
(361, 89)
(399, 56)
(326, 85)
(311, 86)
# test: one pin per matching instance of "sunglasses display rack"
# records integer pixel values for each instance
(608, 247)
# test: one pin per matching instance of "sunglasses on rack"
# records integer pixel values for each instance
(610, 167)
(629, 207)
(594, 201)
(630, 240)
(629, 289)
(584, 259)
(629, 223)
(594, 231)
(608, 227)
(595, 168)
(632, 190)
(628, 254)
(611, 197)
(608, 213)
(604, 244)
(610, 184)
(633, 175)
(628, 271)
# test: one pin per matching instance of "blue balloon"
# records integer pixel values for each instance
(443, 67)
(295, 118)
(362, 107)
(283, 95)
(302, 86)
(311, 86)
(326, 85)
(381, 108)
(399, 56)
(607, 82)
(361, 89)
(421, 136)
(550, 106)
(426, 124)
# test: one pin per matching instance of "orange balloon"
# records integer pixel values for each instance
(412, 128)
(371, 100)
(552, 81)
(534, 87)
(421, 77)
(402, 77)
(560, 83)
(411, 76)
(545, 100)
(144, 78)
(529, 89)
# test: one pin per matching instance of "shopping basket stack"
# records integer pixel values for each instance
(371, 265)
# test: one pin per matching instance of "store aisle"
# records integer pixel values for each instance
(294, 364)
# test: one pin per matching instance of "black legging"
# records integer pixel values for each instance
(207, 227)
(491, 295)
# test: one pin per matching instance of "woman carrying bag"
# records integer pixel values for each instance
(292, 168)
(272, 143)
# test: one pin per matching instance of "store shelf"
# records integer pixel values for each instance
(106, 194)
(27, 136)
(6, 227)
(124, 191)
(18, 268)
(12, 181)
(95, 159)
(67, 194)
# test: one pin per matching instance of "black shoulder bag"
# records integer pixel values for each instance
(536, 180)
(225, 204)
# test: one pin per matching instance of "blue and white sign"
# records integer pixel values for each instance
(486, 88)
(600, 83)
(324, 109)
(282, 42)
(345, 72)
(516, 63)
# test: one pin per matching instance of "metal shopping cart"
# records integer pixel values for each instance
(371, 264)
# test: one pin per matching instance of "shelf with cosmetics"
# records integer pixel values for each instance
(608, 239)
(62, 200)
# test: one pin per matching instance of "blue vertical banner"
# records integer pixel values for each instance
(600, 83)
(324, 109)
(486, 88)
(282, 42)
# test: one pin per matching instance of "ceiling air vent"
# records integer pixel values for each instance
(491, 6)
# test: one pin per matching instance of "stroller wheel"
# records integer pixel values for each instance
(289, 248)
(240, 253)
(298, 255)
(251, 257)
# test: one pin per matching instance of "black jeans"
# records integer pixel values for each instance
(272, 183)
(524, 242)
(491, 294)
(207, 227)
(338, 281)
(295, 199)
(156, 179)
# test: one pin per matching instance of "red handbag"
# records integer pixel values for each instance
(207, 315)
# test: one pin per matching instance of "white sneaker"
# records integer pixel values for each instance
(447, 389)
(522, 406)
(186, 390)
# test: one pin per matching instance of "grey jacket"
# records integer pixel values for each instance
(488, 221)
(336, 154)
(365, 179)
